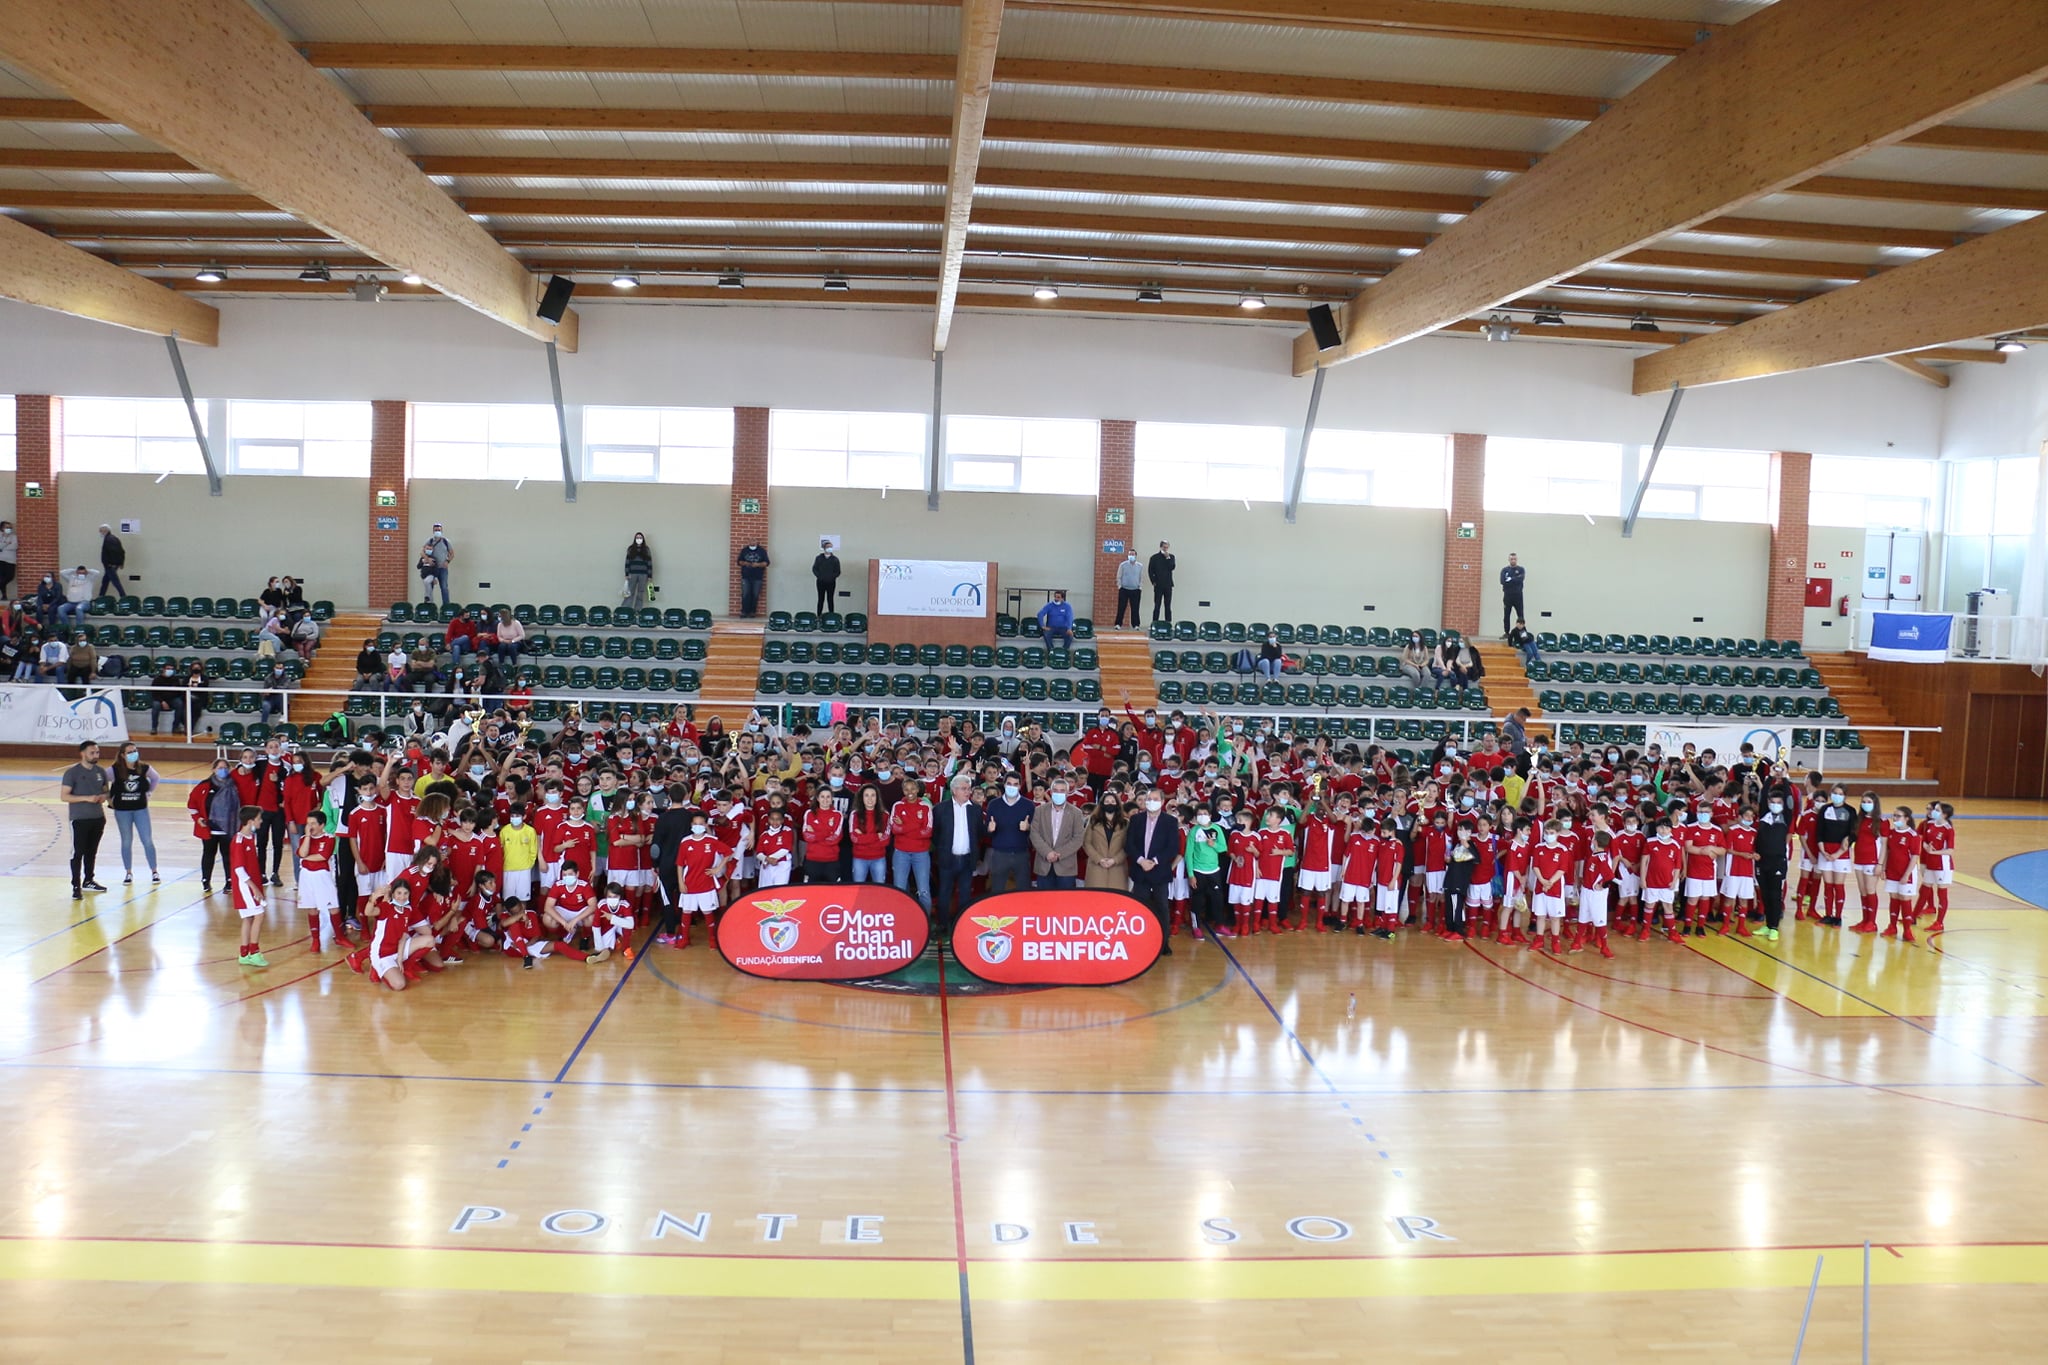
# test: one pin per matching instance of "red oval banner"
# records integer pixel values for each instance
(1058, 938)
(823, 933)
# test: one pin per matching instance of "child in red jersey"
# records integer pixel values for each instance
(479, 927)
(1549, 868)
(1276, 843)
(548, 820)
(570, 906)
(1937, 863)
(1321, 841)
(1243, 848)
(1703, 845)
(1479, 921)
(1626, 848)
(700, 867)
(611, 924)
(575, 841)
(1515, 861)
(1361, 860)
(1435, 857)
(397, 937)
(245, 877)
(1593, 888)
(1866, 856)
(1387, 878)
(1663, 857)
(627, 831)
(366, 844)
(775, 857)
(314, 856)
(1901, 874)
(521, 935)
(1803, 827)
(1738, 883)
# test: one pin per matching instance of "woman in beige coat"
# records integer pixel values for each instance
(1102, 849)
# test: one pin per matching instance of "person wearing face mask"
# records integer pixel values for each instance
(1738, 878)
(959, 835)
(1866, 857)
(1104, 867)
(215, 806)
(1773, 850)
(1096, 751)
(1834, 833)
(1901, 874)
(300, 794)
(1130, 580)
(128, 793)
(1056, 836)
(1271, 657)
(1937, 863)
(639, 569)
(1627, 849)
(1152, 844)
(1009, 838)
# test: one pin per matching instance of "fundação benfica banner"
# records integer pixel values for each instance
(1023, 938)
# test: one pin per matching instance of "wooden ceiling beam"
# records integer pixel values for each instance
(1995, 284)
(932, 67)
(1919, 370)
(1967, 355)
(40, 270)
(981, 23)
(1919, 192)
(1795, 91)
(1621, 335)
(1794, 268)
(213, 81)
(1958, 138)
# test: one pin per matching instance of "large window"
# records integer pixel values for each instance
(7, 452)
(485, 441)
(318, 440)
(1872, 491)
(1553, 476)
(1180, 460)
(846, 449)
(1709, 485)
(658, 445)
(1385, 469)
(129, 436)
(1990, 519)
(1021, 455)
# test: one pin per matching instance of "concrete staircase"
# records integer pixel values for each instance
(1125, 658)
(1844, 675)
(334, 666)
(732, 672)
(1507, 687)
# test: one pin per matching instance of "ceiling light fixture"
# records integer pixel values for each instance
(1643, 324)
(410, 277)
(2010, 344)
(1251, 303)
(1150, 294)
(837, 284)
(1547, 317)
(1045, 293)
(1498, 327)
(210, 274)
(316, 272)
(731, 282)
(625, 279)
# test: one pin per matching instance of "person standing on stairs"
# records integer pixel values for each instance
(639, 569)
(1160, 570)
(825, 568)
(1512, 579)
(753, 564)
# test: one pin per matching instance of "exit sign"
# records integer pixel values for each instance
(1113, 517)
(750, 507)
(387, 498)
(1466, 530)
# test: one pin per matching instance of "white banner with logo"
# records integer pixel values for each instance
(1773, 740)
(48, 715)
(931, 587)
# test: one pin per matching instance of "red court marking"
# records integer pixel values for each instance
(1652, 985)
(123, 939)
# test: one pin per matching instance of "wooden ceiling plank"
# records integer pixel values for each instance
(214, 82)
(40, 270)
(1795, 91)
(1995, 284)
(1924, 372)
(1957, 138)
(1919, 192)
(981, 23)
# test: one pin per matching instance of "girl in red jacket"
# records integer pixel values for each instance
(869, 828)
(824, 826)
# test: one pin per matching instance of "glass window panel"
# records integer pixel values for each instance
(985, 435)
(622, 426)
(1061, 440)
(438, 422)
(808, 468)
(162, 417)
(1907, 513)
(885, 431)
(526, 462)
(1973, 497)
(2014, 513)
(1170, 479)
(872, 469)
(1183, 460)
(1337, 485)
(451, 460)
(1836, 509)
(7, 433)
(267, 457)
(1586, 497)
(986, 475)
(336, 421)
(623, 462)
(158, 455)
(697, 427)
(284, 421)
(2008, 563)
(1734, 504)
(1964, 573)
(807, 430)
(523, 423)
(1553, 476)
(98, 454)
(336, 459)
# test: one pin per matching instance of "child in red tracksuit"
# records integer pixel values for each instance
(245, 876)
(520, 934)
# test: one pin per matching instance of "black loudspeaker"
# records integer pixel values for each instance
(555, 302)
(1321, 321)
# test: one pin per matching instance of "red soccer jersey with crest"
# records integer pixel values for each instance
(521, 934)
(1361, 858)
(1741, 844)
(822, 831)
(1436, 849)
(1319, 843)
(1805, 826)
(697, 855)
(1868, 832)
(1599, 870)
(571, 900)
(911, 822)
(575, 841)
(625, 857)
(389, 933)
(464, 858)
(319, 853)
(246, 871)
(400, 836)
(1517, 856)
(1661, 857)
(614, 912)
(1244, 857)
(366, 827)
(1388, 873)
(776, 845)
(1901, 847)
(1485, 851)
(1274, 846)
(1937, 846)
(1701, 843)
(1627, 848)
(1551, 863)
(480, 910)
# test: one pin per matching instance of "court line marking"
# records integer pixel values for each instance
(953, 1151)
(1356, 1122)
(605, 1008)
(1760, 1061)
(1083, 1279)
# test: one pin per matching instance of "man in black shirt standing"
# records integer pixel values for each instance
(1159, 569)
(1773, 844)
(1511, 580)
(753, 562)
(825, 568)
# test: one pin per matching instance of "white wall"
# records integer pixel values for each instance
(194, 544)
(531, 546)
(1997, 410)
(1671, 578)
(1004, 364)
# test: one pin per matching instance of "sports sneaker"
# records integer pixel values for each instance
(526, 963)
(664, 939)
(276, 880)
(92, 885)
(153, 875)
(627, 953)
(1771, 934)
(77, 894)
(451, 961)
(128, 879)
(255, 960)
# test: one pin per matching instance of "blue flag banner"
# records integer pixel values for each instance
(1910, 637)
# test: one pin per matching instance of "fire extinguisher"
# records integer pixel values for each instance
(1842, 607)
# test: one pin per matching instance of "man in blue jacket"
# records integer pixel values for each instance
(1009, 838)
(1056, 620)
(1151, 845)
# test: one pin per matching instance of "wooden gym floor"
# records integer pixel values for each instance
(1497, 1158)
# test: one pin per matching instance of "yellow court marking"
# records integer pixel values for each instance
(60, 947)
(1423, 1274)
(1779, 977)
(1990, 888)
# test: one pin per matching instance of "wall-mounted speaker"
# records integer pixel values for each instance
(1323, 323)
(555, 302)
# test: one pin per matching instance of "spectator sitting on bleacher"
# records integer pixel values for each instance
(272, 596)
(1056, 620)
(306, 637)
(274, 684)
(49, 597)
(84, 662)
(18, 653)
(77, 597)
(294, 596)
(164, 697)
(460, 637)
(52, 660)
(369, 668)
(195, 683)
(510, 635)
(1522, 638)
(1415, 661)
(1271, 656)
(269, 638)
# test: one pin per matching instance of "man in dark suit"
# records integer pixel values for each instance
(670, 829)
(1151, 843)
(959, 834)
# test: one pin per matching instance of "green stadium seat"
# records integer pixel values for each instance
(1006, 626)
(827, 652)
(1284, 633)
(1028, 628)
(1033, 657)
(831, 622)
(981, 687)
(982, 656)
(929, 687)
(1008, 689)
(956, 687)
(853, 623)
(1084, 628)
(606, 679)
(1007, 656)
(1211, 632)
(1235, 632)
(798, 684)
(956, 656)
(1165, 661)
(1186, 630)
(1086, 660)
(1088, 690)
(781, 621)
(1223, 694)
(575, 616)
(1197, 693)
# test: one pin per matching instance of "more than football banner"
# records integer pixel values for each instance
(931, 587)
(1058, 938)
(823, 933)
(45, 715)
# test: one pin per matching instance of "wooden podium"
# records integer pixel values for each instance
(932, 630)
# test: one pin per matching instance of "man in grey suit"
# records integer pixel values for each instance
(1056, 841)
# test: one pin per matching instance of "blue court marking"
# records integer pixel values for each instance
(1295, 1038)
(665, 979)
(2001, 817)
(602, 1010)
(2024, 875)
(1909, 1023)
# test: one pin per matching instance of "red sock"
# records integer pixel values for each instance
(572, 953)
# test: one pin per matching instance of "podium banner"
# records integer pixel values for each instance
(1058, 938)
(931, 587)
(45, 715)
(822, 933)
(1910, 637)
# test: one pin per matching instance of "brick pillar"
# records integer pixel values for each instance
(38, 456)
(1465, 560)
(1785, 603)
(1116, 457)
(391, 551)
(749, 481)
